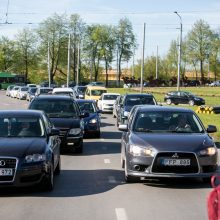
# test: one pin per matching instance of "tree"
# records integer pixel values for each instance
(54, 31)
(26, 54)
(125, 41)
(199, 44)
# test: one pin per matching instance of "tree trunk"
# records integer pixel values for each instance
(106, 73)
(201, 70)
(119, 71)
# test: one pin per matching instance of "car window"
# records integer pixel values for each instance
(97, 92)
(110, 97)
(21, 127)
(139, 100)
(87, 107)
(56, 107)
(167, 122)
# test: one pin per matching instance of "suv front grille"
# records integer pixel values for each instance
(159, 167)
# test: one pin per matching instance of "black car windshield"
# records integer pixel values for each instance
(45, 91)
(110, 97)
(21, 127)
(87, 107)
(172, 122)
(32, 90)
(139, 100)
(24, 89)
(56, 108)
(81, 89)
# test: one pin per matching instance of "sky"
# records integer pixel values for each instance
(162, 24)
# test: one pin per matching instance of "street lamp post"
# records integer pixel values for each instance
(180, 51)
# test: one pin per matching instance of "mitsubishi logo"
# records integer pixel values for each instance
(2, 163)
(175, 155)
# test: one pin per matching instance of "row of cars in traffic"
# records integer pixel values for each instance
(157, 141)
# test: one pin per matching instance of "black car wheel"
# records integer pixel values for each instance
(58, 168)
(191, 102)
(48, 182)
(98, 134)
(79, 149)
(206, 180)
(168, 101)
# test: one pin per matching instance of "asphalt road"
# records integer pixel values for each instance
(91, 186)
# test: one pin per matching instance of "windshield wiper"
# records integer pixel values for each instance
(176, 131)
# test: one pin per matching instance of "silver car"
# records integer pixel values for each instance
(167, 142)
(22, 92)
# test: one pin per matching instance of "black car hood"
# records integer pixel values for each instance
(172, 142)
(19, 147)
(66, 123)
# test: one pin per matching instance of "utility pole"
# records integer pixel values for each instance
(48, 63)
(133, 63)
(78, 65)
(180, 52)
(117, 77)
(142, 63)
(91, 69)
(68, 65)
(157, 64)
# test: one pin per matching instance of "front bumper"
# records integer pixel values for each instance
(71, 142)
(27, 175)
(91, 128)
(207, 167)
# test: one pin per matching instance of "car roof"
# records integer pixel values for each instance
(26, 112)
(139, 94)
(85, 100)
(96, 87)
(54, 97)
(106, 93)
(65, 89)
(163, 108)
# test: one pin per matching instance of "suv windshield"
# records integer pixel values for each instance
(97, 92)
(21, 127)
(139, 100)
(56, 108)
(173, 122)
(81, 89)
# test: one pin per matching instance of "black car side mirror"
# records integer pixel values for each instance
(211, 129)
(84, 115)
(54, 131)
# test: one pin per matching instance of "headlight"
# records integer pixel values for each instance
(74, 131)
(35, 158)
(93, 121)
(210, 151)
(141, 151)
(126, 113)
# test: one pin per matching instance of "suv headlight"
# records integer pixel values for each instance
(93, 121)
(35, 158)
(141, 151)
(75, 131)
(210, 151)
(126, 113)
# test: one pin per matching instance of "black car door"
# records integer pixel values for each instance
(184, 97)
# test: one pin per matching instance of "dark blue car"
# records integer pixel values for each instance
(92, 123)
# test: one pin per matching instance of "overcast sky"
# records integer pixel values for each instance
(161, 22)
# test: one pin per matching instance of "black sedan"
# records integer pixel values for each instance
(167, 142)
(183, 97)
(29, 149)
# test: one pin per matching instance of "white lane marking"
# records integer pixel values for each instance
(121, 214)
(111, 179)
(107, 161)
(5, 104)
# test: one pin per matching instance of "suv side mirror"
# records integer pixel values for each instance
(211, 129)
(54, 131)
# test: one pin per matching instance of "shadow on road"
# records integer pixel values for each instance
(73, 183)
(111, 134)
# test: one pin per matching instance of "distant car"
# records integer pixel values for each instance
(92, 123)
(14, 91)
(215, 83)
(106, 101)
(31, 85)
(182, 97)
(46, 84)
(43, 90)
(31, 93)
(167, 142)
(64, 91)
(29, 149)
(22, 92)
(80, 91)
(65, 114)
(96, 84)
(94, 92)
(193, 83)
(9, 88)
(130, 100)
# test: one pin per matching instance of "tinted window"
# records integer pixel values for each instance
(97, 92)
(21, 127)
(24, 89)
(81, 89)
(139, 100)
(110, 97)
(56, 108)
(87, 107)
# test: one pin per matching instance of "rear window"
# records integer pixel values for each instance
(139, 100)
(110, 97)
(97, 92)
